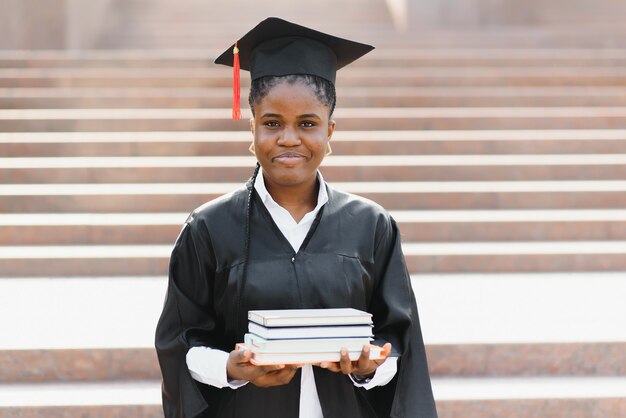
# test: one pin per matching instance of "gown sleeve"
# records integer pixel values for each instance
(187, 320)
(396, 320)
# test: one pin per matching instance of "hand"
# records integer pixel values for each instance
(361, 367)
(239, 367)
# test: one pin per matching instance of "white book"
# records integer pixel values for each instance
(305, 345)
(310, 317)
(261, 358)
(339, 331)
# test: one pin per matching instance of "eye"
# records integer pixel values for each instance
(307, 124)
(271, 124)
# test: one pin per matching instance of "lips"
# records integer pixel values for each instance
(289, 158)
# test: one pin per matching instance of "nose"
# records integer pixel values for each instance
(289, 137)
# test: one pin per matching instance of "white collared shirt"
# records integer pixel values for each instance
(208, 365)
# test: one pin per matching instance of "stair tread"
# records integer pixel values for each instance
(473, 71)
(81, 394)
(344, 112)
(528, 388)
(552, 53)
(343, 92)
(410, 249)
(103, 312)
(402, 216)
(244, 136)
(353, 187)
(514, 248)
(444, 389)
(332, 161)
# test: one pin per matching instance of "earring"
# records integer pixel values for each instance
(329, 151)
(251, 149)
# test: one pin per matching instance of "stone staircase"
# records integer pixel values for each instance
(504, 166)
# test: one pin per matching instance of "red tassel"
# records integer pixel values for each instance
(236, 85)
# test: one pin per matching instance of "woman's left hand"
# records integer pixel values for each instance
(362, 367)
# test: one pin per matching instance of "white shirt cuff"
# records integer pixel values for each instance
(208, 366)
(383, 374)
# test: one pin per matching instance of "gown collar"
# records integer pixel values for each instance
(266, 198)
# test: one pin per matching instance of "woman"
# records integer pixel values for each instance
(289, 240)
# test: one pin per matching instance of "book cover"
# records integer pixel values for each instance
(309, 317)
(339, 331)
(260, 358)
(304, 345)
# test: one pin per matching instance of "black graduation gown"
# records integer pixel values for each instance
(350, 258)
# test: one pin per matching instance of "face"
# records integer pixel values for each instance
(291, 131)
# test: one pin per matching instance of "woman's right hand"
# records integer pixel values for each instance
(239, 367)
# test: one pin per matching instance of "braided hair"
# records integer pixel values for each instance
(325, 92)
(323, 89)
(250, 187)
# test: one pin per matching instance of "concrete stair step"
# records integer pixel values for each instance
(119, 395)
(477, 225)
(459, 96)
(531, 388)
(458, 142)
(15, 100)
(216, 76)
(80, 365)
(403, 71)
(527, 408)
(67, 365)
(182, 197)
(22, 120)
(335, 168)
(527, 256)
(395, 58)
(102, 313)
(519, 398)
(525, 327)
(406, 71)
(151, 410)
(445, 361)
(522, 36)
(411, 57)
(431, 257)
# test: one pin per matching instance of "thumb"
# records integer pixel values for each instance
(386, 349)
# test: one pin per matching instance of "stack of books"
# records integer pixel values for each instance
(300, 336)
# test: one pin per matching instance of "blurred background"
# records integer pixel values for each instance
(494, 131)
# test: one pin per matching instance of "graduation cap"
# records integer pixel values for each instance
(276, 47)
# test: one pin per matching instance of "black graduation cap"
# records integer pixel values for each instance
(276, 47)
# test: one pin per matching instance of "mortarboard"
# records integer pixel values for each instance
(276, 47)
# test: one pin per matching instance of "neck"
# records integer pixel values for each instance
(298, 199)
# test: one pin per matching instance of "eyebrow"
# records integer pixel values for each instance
(309, 115)
(304, 116)
(271, 115)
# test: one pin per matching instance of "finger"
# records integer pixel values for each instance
(239, 367)
(272, 367)
(344, 362)
(364, 358)
(283, 370)
(333, 366)
(243, 356)
(276, 377)
(383, 354)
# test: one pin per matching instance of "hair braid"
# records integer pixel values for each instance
(250, 187)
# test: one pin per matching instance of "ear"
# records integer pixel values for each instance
(331, 128)
(252, 126)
